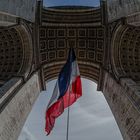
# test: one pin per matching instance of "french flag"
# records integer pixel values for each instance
(67, 90)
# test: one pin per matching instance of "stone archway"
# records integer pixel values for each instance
(125, 52)
(83, 28)
(16, 56)
(121, 80)
(61, 29)
(16, 52)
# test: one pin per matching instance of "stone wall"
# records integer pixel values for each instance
(21, 8)
(14, 114)
(122, 8)
(123, 100)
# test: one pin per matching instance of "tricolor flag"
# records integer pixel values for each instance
(67, 90)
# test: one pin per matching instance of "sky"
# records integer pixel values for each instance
(49, 3)
(90, 116)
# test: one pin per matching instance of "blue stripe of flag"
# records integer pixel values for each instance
(65, 74)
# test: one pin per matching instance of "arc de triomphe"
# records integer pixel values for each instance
(34, 43)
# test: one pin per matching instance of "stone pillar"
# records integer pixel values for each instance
(124, 101)
(16, 106)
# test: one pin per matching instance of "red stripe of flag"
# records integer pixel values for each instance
(58, 107)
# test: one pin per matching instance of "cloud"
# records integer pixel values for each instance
(26, 135)
(90, 118)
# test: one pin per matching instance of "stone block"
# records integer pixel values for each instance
(14, 114)
(121, 8)
(19, 8)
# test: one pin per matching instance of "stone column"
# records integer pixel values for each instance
(124, 101)
(16, 104)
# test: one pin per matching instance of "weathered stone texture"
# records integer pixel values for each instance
(134, 19)
(71, 26)
(122, 8)
(56, 30)
(8, 88)
(125, 52)
(21, 8)
(124, 107)
(15, 52)
(15, 113)
(7, 20)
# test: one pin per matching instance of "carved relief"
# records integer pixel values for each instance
(88, 43)
(124, 109)
(126, 52)
(85, 38)
(11, 53)
(69, 14)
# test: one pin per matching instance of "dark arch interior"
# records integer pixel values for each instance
(77, 27)
(126, 48)
(15, 53)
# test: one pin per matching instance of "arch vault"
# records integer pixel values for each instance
(107, 50)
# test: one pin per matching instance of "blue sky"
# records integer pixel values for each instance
(93, 3)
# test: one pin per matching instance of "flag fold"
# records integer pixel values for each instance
(67, 90)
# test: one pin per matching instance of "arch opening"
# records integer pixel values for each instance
(90, 114)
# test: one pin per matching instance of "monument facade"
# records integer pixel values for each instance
(34, 47)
